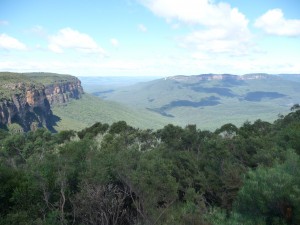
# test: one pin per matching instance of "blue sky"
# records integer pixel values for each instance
(150, 37)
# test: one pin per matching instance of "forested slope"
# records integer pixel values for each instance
(210, 100)
(117, 174)
(89, 109)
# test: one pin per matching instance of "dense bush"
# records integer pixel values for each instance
(116, 174)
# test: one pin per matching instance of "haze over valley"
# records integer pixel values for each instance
(207, 100)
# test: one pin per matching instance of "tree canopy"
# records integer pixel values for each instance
(117, 174)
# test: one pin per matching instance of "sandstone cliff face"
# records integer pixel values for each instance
(209, 77)
(26, 99)
(61, 93)
(28, 107)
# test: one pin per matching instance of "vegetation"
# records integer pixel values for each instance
(79, 114)
(12, 77)
(154, 104)
(50, 78)
(118, 174)
(89, 109)
(208, 103)
(10, 84)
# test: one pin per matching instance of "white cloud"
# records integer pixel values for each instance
(85, 67)
(223, 29)
(219, 40)
(114, 42)
(11, 43)
(161, 65)
(273, 22)
(142, 28)
(197, 12)
(200, 56)
(68, 38)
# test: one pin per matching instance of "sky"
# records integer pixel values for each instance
(150, 37)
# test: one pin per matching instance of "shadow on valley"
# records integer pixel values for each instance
(161, 112)
(221, 89)
(217, 90)
(53, 122)
(257, 96)
(210, 101)
(102, 93)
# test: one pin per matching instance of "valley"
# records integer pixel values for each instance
(150, 112)
(209, 100)
(197, 146)
(58, 102)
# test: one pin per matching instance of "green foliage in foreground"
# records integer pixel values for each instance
(117, 174)
(272, 192)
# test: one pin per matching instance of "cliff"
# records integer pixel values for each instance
(26, 105)
(26, 99)
(61, 93)
(209, 77)
(59, 89)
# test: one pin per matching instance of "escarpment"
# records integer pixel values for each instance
(27, 106)
(26, 99)
(59, 88)
(62, 92)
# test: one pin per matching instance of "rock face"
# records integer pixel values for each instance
(26, 99)
(209, 77)
(61, 93)
(29, 108)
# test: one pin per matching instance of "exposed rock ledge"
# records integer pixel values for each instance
(29, 108)
(26, 99)
(60, 93)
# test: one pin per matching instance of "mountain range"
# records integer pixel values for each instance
(60, 102)
(210, 100)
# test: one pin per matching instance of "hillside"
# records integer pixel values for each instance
(23, 103)
(26, 99)
(89, 109)
(210, 100)
(58, 102)
(9, 81)
(59, 88)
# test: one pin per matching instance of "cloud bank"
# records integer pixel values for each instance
(68, 38)
(273, 22)
(10, 43)
(220, 28)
